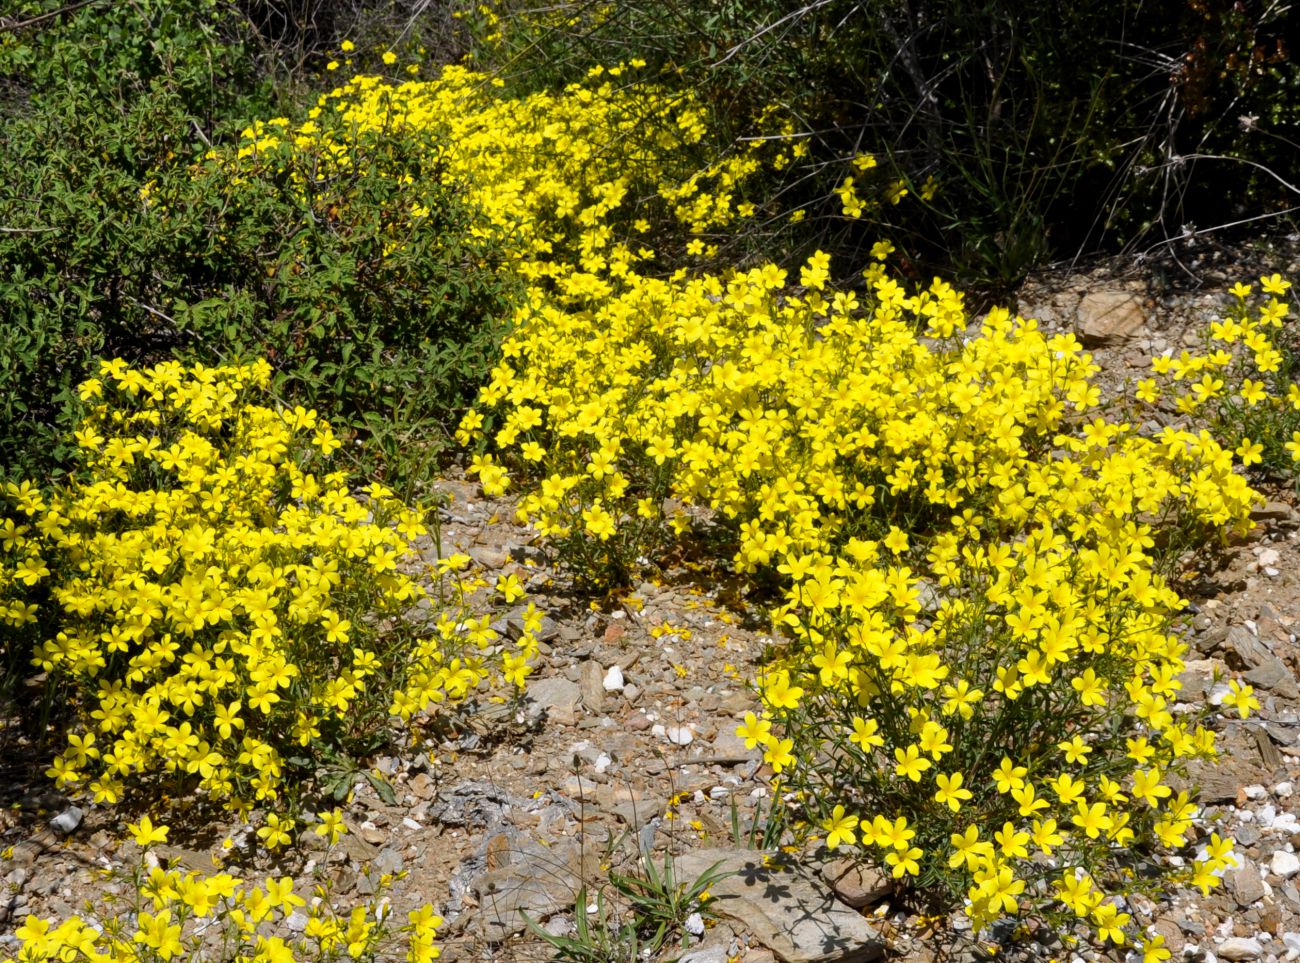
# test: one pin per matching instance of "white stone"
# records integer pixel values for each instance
(68, 820)
(613, 681)
(603, 762)
(1283, 790)
(1239, 948)
(1269, 556)
(1285, 864)
(680, 735)
(1285, 823)
(1255, 792)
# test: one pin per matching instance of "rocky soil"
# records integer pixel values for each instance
(624, 749)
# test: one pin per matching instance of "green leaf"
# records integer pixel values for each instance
(382, 787)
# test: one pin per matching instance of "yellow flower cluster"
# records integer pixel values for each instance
(219, 602)
(568, 181)
(980, 678)
(979, 633)
(188, 915)
(1244, 381)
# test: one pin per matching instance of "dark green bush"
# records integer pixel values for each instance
(1048, 129)
(117, 238)
(384, 321)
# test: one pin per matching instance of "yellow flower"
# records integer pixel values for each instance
(1075, 749)
(1154, 950)
(840, 828)
(911, 763)
(1091, 819)
(1009, 776)
(331, 826)
(892, 835)
(145, 833)
(277, 831)
(866, 734)
(754, 731)
(1241, 697)
(950, 791)
(968, 849)
(159, 933)
(1012, 841)
(905, 861)
(1045, 835)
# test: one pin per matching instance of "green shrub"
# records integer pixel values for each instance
(126, 234)
(94, 99)
(977, 665)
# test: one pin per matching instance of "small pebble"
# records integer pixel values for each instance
(1285, 864)
(679, 735)
(68, 820)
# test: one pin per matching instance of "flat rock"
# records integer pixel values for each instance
(1239, 765)
(537, 883)
(1273, 511)
(1244, 650)
(472, 804)
(591, 682)
(67, 821)
(730, 746)
(490, 557)
(1106, 316)
(558, 696)
(1275, 676)
(705, 954)
(855, 884)
(360, 852)
(1284, 864)
(190, 859)
(786, 907)
(1246, 883)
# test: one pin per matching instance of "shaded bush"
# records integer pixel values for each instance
(1039, 131)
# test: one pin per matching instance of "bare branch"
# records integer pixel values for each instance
(795, 15)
